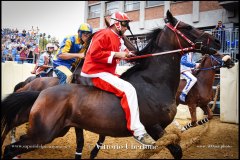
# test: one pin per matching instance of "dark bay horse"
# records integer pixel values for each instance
(201, 93)
(156, 80)
(29, 79)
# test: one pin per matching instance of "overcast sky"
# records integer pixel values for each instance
(57, 18)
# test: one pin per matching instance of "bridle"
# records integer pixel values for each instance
(197, 46)
(220, 63)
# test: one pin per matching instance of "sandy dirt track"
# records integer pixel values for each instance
(214, 140)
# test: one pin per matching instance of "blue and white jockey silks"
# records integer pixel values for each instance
(186, 73)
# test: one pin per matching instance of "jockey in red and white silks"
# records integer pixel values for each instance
(100, 63)
(187, 64)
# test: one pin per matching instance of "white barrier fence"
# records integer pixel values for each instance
(229, 102)
(13, 73)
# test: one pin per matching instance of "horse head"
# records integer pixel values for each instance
(187, 35)
(227, 61)
(216, 61)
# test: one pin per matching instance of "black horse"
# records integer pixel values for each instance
(156, 80)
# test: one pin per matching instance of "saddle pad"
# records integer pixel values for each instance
(67, 72)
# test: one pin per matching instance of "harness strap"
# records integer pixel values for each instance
(174, 29)
(159, 53)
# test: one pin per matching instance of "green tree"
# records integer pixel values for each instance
(42, 43)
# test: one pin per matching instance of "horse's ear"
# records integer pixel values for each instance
(169, 17)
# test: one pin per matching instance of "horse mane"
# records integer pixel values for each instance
(19, 85)
(201, 64)
(141, 64)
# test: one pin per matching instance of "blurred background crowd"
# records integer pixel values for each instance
(24, 46)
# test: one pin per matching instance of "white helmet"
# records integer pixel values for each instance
(49, 45)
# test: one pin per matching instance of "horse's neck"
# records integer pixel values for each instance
(76, 74)
(206, 78)
(161, 76)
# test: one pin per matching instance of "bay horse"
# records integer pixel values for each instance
(54, 110)
(29, 79)
(201, 93)
(38, 84)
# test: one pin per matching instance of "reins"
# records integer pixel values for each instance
(160, 53)
(220, 64)
(194, 46)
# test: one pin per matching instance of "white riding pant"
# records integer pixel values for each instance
(191, 80)
(129, 100)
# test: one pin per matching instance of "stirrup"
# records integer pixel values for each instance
(145, 139)
(182, 97)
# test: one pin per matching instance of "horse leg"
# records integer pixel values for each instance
(193, 113)
(39, 134)
(80, 142)
(175, 150)
(97, 147)
(25, 144)
(156, 132)
(207, 110)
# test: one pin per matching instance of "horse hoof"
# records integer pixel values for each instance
(94, 153)
(78, 157)
(175, 150)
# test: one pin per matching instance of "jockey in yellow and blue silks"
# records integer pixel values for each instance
(70, 52)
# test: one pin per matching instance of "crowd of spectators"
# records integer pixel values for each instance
(20, 46)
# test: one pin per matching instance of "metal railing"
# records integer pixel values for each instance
(229, 40)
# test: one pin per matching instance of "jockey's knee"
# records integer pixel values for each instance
(69, 79)
(194, 80)
(129, 88)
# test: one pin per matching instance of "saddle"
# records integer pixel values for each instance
(86, 81)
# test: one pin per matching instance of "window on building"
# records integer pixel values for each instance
(131, 5)
(154, 3)
(94, 11)
(112, 7)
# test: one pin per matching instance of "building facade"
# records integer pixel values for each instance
(147, 15)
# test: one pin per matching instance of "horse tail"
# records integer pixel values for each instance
(14, 104)
(19, 85)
